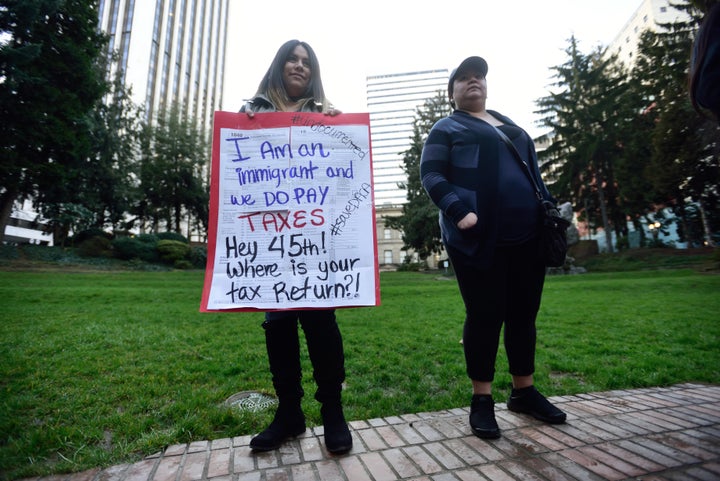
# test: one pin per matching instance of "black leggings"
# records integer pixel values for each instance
(508, 292)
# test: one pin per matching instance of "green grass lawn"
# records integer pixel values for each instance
(100, 368)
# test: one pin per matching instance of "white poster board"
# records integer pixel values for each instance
(292, 218)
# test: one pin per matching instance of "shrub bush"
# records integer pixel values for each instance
(198, 256)
(147, 238)
(98, 246)
(409, 265)
(47, 253)
(172, 251)
(182, 264)
(172, 236)
(128, 248)
(88, 234)
(8, 251)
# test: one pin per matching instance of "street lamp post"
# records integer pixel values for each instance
(654, 230)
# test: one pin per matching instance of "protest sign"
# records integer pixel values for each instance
(292, 219)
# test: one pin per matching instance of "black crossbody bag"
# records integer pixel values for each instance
(553, 229)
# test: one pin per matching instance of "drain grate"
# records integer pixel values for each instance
(250, 401)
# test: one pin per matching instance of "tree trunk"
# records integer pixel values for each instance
(706, 225)
(686, 236)
(603, 213)
(61, 232)
(7, 199)
(178, 219)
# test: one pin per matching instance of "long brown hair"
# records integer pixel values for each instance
(272, 84)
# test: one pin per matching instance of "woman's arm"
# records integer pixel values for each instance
(434, 166)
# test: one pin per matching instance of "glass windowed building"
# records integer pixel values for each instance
(169, 51)
(392, 101)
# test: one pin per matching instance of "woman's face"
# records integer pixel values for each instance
(469, 90)
(297, 73)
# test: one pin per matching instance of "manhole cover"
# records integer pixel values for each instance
(250, 401)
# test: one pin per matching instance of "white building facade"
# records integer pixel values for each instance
(648, 16)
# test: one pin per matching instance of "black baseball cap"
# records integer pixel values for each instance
(477, 64)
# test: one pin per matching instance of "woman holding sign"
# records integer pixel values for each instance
(489, 218)
(293, 84)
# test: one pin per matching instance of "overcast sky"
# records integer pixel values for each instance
(521, 40)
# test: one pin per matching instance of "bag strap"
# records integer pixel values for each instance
(523, 164)
(550, 207)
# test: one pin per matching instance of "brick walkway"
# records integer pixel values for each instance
(650, 434)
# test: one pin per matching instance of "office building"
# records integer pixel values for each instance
(169, 51)
(392, 101)
(649, 15)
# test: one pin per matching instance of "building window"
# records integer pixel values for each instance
(388, 234)
(387, 257)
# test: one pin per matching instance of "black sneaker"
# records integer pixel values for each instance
(528, 400)
(482, 417)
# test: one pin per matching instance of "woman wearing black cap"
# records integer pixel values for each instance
(489, 218)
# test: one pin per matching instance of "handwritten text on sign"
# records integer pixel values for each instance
(292, 219)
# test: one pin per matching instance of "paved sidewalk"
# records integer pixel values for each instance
(650, 434)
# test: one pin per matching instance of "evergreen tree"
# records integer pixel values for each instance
(624, 145)
(109, 182)
(586, 114)
(418, 222)
(635, 190)
(683, 165)
(51, 81)
(172, 182)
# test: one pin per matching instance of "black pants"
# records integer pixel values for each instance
(508, 292)
(325, 348)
